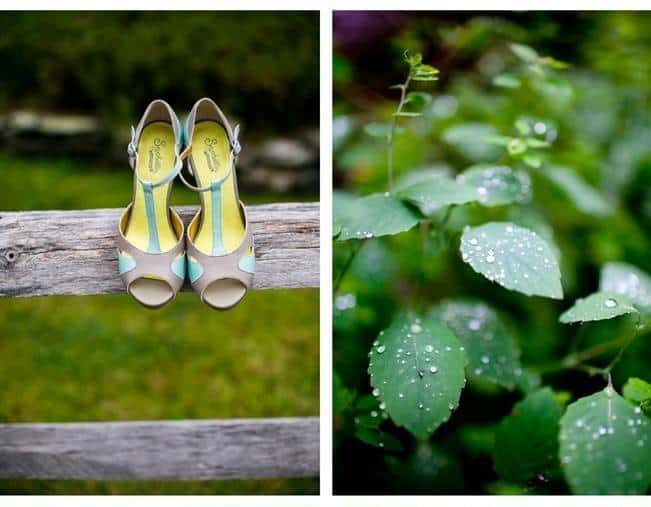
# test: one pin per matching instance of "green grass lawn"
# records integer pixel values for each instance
(105, 358)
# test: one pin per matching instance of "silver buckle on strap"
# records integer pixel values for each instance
(235, 142)
(131, 147)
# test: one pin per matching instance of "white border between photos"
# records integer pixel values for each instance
(326, 251)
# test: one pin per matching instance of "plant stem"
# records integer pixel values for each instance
(446, 217)
(349, 261)
(576, 360)
(392, 132)
(619, 355)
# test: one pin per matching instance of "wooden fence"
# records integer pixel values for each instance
(73, 252)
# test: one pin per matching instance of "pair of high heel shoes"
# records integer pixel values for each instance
(155, 254)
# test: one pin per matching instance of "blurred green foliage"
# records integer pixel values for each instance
(260, 66)
(576, 119)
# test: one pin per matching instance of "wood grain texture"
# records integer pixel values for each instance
(162, 450)
(73, 252)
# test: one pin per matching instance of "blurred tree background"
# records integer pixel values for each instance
(72, 83)
(260, 66)
(591, 197)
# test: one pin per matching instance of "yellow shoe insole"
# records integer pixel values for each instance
(222, 227)
(149, 228)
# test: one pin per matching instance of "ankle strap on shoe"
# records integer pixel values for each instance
(132, 151)
(236, 148)
(215, 184)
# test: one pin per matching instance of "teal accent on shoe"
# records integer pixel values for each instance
(195, 270)
(154, 245)
(181, 130)
(178, 267)
(247, 263)
(125, 263)
(217, 240)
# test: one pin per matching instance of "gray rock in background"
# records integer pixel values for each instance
(279, 165)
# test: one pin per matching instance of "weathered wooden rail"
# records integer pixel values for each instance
(46, 253)
(164, 450)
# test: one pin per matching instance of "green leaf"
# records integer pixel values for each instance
(557, 92)
(434, 194)
(368, 412)
(525, 53)
(342, 398)
(499, 140)
(340, 202)
(491, 350)
(471, 141)
(378, 129)
(417, 368)
(421, 174)
(514, 257)
(407, 114)
(526, 441)
(582, 195)
(532, 142)
(424, 72)
(507, 81)
(418, 99)
(366, 403)
(523, 127)
(637, 390)
(426, 69)
(497, 185)
(629, 281)
(516, 147)
(553, 63)
(598, 306)
(413, 59)
(604, 446)
(424, 78)
(375, 215)
(532, 161)
(378, 438)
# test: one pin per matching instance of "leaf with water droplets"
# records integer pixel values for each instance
(417, 366)
(629, 281)
(491, 350)
(375, 215)
(435, 194)
(598, 306)
(526, 441)
(604, 446)
(496, 184)
(514, 257)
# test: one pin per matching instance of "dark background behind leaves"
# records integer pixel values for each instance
(600, 111)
